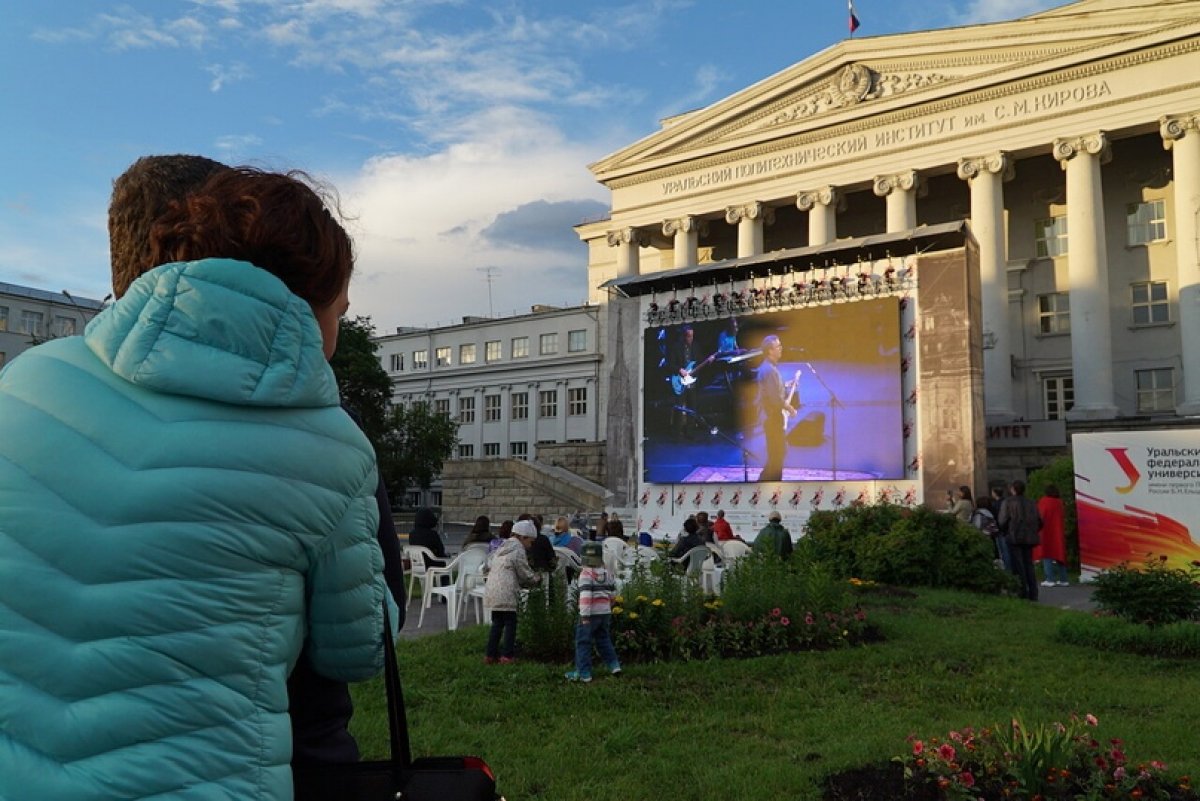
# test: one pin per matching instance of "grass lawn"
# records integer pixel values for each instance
(772, 727)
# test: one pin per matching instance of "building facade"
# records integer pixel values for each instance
(1070, 142)
(29, 316)
(511, 383)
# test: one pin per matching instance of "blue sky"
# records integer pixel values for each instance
(457, 133)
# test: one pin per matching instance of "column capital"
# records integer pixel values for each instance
(906, 180)
(686, 224)
(628, 236)
(1096, 144)
(998, 163)
(1173, 127)
(826, 196)
(750, 211)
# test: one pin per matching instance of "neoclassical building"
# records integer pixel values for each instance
(1068, 140)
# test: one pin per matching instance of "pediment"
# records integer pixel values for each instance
(865, 77)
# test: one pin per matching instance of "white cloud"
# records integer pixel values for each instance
(997, 10)
(419, 222)
(234, 148)
(225, 74)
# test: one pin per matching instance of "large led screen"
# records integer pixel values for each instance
(719, 394)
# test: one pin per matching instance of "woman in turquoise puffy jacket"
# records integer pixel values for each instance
(183, 505)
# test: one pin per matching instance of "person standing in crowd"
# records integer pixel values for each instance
(689, 540)
(320, 707)
(774, 408)
(226, 499)
(595, 589)
(507, 572)
(1053, 548)
(774, 538)
(564, 537)
(985, 521)
(425, 535)
(1020, 522)
(961, 504)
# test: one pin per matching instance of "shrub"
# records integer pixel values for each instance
(546, 622)
(1109, 633)
(896, 545)
(1153, 594)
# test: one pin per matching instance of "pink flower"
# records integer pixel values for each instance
(809, 619)
(966, 778)
(776, 612)
(1119, 773)
(1091, 720)
(1154, 763)
(946, 751)
(918, 747)
(784, 621)
(956, 737)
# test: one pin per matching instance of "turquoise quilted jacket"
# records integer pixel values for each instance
(182, 503)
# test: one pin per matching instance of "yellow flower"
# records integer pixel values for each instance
(619, 599)
(845, 633)
(657, 602)
(642, 598)
(856, 582)
(633, 615)
(617, 610)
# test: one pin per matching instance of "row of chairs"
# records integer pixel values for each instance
(705, 563)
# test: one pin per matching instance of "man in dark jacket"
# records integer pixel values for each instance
(424, 533)
(1020, 522)
(689, 540)
(774, 538)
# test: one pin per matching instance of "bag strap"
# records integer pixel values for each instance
(397, 718)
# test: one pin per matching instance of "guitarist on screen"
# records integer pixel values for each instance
(681, 364)
(774, 406)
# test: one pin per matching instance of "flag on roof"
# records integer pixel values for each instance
(853, 17)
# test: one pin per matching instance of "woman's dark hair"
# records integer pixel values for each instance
(505, 530)
(275, 221)
(966, 492)
(1051, 491)
(691, 526)
(480, 532)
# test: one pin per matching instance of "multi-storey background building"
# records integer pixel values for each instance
(29, 316)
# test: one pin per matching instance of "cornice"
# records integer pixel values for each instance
(1020, 86)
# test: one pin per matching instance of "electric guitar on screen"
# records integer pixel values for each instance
(792, 386)
(681, 382)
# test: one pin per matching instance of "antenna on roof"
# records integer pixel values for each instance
(489, 274)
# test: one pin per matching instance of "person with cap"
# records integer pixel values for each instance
(507, 572)
(595, 589)
(774, 538)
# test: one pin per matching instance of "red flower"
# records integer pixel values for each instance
(918, 747)
(966, 778)
(776, 612)
(784, 621)
(946, 752)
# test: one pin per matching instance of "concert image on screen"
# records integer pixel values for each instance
(809, 394)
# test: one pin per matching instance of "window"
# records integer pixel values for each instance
(64, 326)
(491, 351)
(31, 323)
(548, 403)
(520, 347)
(1058, 396)
(1146, 222)
(3, 318)
(442, 406)
(491, 449)
(548, 344)
(420, 359)
(1150, 303)
(466, 354)
(412, 498)
(397, 362)
(1054, 313)
(491, 409)
(1050, 237)
(576, 341)
(466, 451)
(1155, 390)
(466, 409)
(577, 401)
(441, 357)
(518, 450)
(520, 406)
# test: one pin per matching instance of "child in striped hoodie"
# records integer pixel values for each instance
(595, 589)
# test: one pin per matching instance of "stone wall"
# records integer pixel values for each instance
(504, 488)
(584, 459)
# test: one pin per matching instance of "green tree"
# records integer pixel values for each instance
(416, 443)
(364, 384)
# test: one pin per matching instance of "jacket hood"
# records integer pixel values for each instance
(425, 517)
(257, 344)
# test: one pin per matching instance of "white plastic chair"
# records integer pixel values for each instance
(470, 567)
(450, 592)
(568, 559)
(474, 593)
(614, 553)
(416, 555)
(693, 561)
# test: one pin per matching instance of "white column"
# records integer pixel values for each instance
(686, 231)
(900, 189)
(627, 241)
(1087, 270)
(986, 176)
(1181, 135)
(821, 205)
(749, 218)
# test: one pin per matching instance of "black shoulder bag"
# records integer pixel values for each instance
(401, 778)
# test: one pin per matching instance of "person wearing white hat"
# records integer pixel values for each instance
(507, 572)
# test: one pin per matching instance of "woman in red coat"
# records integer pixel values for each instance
(1053, 549)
